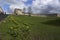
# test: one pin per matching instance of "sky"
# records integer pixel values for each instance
(38, 6)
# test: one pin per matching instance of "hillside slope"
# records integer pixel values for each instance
(42, 28)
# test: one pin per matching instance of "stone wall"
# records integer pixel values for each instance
(1, 11)
(18, 12)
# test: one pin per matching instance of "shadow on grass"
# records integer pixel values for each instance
(49, 36)
(3, 16)
(55, 22)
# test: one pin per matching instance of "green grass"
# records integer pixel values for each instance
(42, 28)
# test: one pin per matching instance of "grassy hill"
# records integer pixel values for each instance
(41, 28)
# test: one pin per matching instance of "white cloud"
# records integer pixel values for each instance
(18, 4)
(43, 5)
(24, 0)
(38, 6)
(13, 3)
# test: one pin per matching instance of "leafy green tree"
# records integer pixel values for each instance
(24, 9)
(29, 11)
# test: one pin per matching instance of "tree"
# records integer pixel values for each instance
(29, 11)
(15, 11)
(24, 9)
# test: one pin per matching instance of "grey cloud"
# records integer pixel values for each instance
(38, 6)
(48, 7)
(13, 3)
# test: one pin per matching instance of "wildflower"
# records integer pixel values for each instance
(29, 30)
(11, 27)
(4, 21)
(27, 26)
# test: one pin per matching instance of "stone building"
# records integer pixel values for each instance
(1, 11)
(18, 11)
(58, 15)
(52, 14)
(45, 15)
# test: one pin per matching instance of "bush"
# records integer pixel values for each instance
(20, 33)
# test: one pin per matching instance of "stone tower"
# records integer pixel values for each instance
(18, 11)
(1, 11)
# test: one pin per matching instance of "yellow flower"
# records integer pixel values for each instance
(29, 30)
(4, 21)
(27, 26)
(11, 27)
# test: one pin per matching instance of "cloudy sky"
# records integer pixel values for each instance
(38, 6)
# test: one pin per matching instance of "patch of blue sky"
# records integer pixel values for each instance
(29, 2)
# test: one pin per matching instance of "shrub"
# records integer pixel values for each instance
(21, 33)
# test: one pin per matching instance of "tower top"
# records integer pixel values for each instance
(1, 10)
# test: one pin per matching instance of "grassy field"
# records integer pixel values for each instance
(42, 28)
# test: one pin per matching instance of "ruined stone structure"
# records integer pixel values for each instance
(45, 15)
(52, 14)
(1, 11)
(18, 11)
(58, 15)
